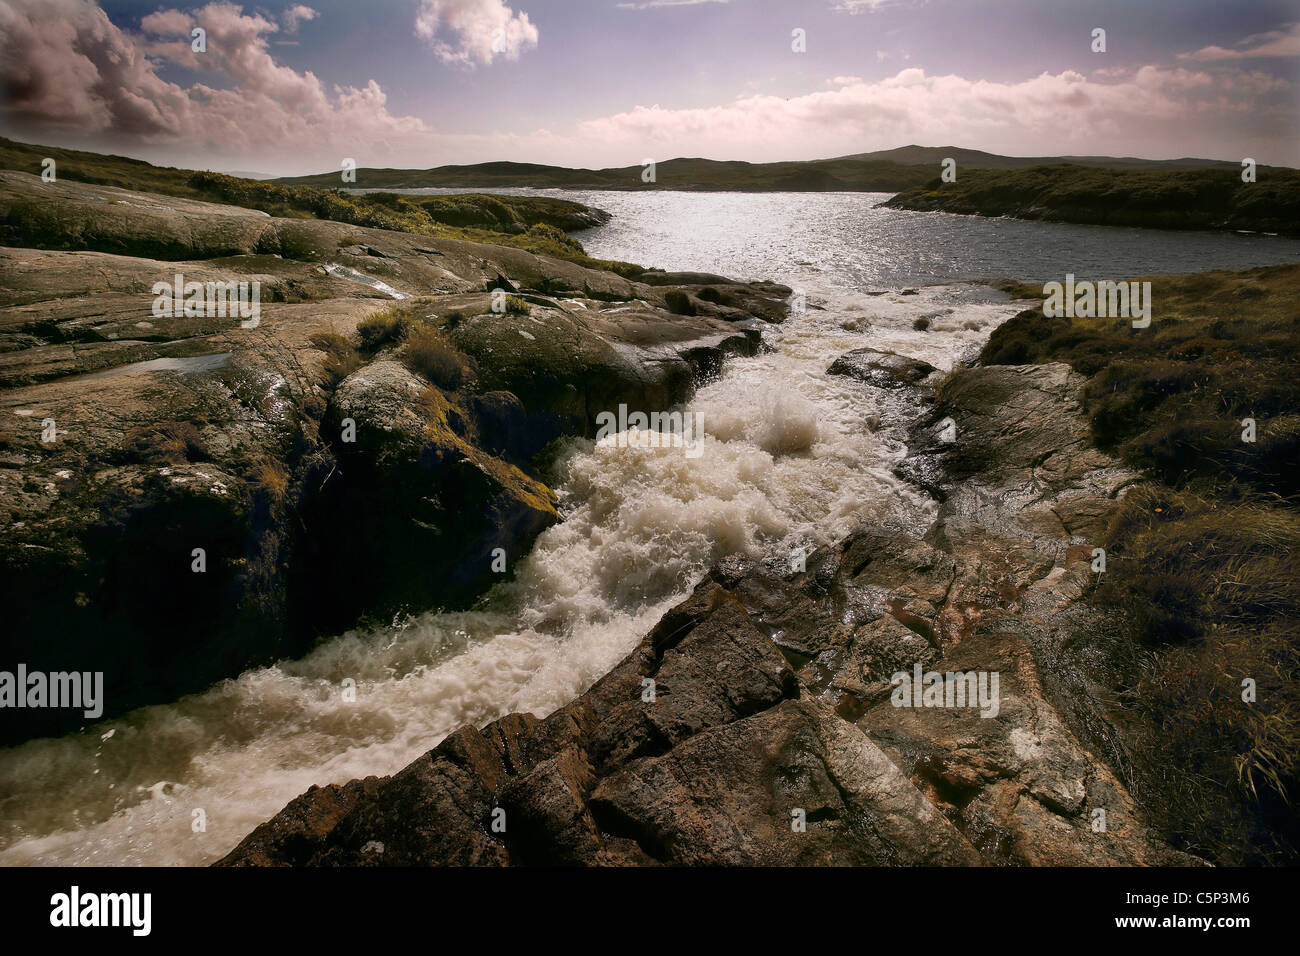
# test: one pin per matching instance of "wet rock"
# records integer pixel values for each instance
(179, 434)
(411, 500)
(884, 369)
(567, 363)
(761, 721)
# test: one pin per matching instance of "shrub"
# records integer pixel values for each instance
(431, 355)
(341, 356)
(379, 328)
(921, 324)
(516, 305)
(544, 233)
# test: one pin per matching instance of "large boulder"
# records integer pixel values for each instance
(412, 500)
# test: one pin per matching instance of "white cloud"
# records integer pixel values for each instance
(73, 77)
(295, 15)
(870, 6)
(1275, 43)
(481, 30)
(1043, 115)
(68, 68)
(648, 4)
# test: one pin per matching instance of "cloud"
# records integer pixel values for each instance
(69, 76)
(67, 68)
(1043, 115)
(1275, 43)
(298, 13)
(648, 4)
(482, 29)
(870, 6)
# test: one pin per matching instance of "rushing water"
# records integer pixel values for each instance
(792, 457)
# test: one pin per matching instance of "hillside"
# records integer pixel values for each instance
(883, 171)
(1161, 199)
(537, 224)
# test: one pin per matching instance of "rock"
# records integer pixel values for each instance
(569, 361)
(302, 826)
(184, 432)
(759, 722)
(412, 500)
(730, 796)
(883, 369)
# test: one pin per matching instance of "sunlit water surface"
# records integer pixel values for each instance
(790, 460)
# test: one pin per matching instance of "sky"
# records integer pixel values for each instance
(289, 87)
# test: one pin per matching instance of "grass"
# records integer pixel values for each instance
(381, 328)
(428, 353)
(424, 349)
(342, 357)
(1181, 199)
(1202, 556)
(533, 223)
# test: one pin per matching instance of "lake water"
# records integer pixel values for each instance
(792, 458)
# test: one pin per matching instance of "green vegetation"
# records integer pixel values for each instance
(380, 328)
(341, 356)
(844, 174)
(535, 224)
(516, 305)
(883, 171)
(1202, 558)
(428, 353)
(717, 297)
(424, 348)
(1166, 199)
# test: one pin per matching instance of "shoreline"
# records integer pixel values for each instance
(360, 366)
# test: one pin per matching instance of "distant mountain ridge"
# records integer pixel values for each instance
(891, 170)
(978, 159)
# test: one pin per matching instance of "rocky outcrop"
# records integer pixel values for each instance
(183, 496)
(1205, 198)
(762, 721)
(882, 369)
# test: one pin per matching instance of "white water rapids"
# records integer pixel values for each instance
(790, 458)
